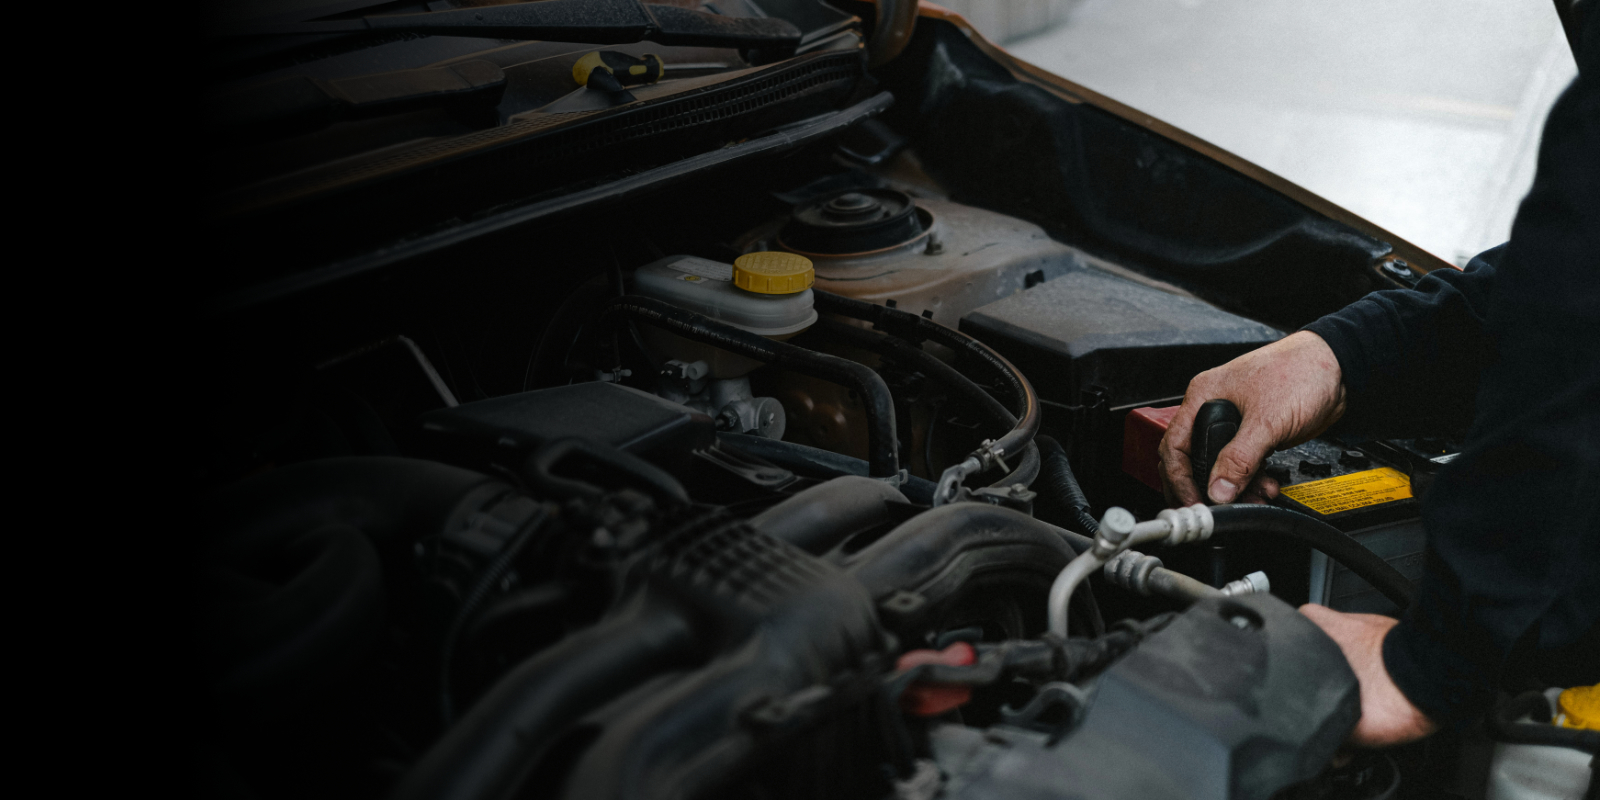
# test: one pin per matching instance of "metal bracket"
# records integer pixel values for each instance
(949, 489)
(898, 479)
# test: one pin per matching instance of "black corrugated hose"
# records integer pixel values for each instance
(1063, 487)
(874, 393)
(915, 328)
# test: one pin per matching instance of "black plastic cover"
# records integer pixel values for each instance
(503, 430)
(1236, 699)
(1090, 327)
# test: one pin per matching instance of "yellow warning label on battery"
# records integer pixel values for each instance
(1356, 490)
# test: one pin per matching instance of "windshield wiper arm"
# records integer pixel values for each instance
(582, 21)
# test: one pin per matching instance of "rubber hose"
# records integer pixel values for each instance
(698, 730)
(1026, 471)
(874, 393)
(614, 463)
(822, 516)
(270, 637)
(918, 359)
(1503, 724)
(813, 462)
(1336, 544)
(1063, 487)
(922, 361)
(900, 323)
(341, 523)
(487, 755)
(475, 597)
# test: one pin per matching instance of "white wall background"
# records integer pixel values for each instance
(1422, 115)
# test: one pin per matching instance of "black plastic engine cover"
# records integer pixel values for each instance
(1089, 327)
(1237, 698)
(503, 430)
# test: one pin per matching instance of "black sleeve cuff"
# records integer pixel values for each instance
(1338, 331)
(1434, 674)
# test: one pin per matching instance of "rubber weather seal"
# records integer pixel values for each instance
(545, 141)
(788, 138)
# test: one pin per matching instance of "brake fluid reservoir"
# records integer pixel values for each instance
(766, 293)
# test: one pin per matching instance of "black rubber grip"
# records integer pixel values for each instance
(1214, 426)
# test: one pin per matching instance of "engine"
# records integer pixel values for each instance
(690, 419)
(780, 527)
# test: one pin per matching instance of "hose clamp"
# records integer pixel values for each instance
(990, 456)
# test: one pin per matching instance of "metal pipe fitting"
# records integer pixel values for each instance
(1254, 583)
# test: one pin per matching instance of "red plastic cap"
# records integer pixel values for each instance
(1141, 440)
(927, 699)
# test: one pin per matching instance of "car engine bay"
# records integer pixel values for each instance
(701, 421)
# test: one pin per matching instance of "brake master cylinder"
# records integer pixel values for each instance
(766, 293)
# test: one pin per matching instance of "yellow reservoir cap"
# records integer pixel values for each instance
(773, 272)
(1580, 708)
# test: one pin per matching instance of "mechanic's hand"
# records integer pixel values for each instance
(1387, 717)
(1288, 392)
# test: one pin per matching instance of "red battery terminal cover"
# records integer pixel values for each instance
(928, 699)
(1141, 440)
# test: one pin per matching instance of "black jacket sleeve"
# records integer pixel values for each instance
(1513, 523)
(1412, 359)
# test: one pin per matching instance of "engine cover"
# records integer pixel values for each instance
(1237, 698)
(1089, 326)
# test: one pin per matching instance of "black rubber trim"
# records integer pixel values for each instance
(626, 188)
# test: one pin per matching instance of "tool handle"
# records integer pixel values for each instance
(1214, 426)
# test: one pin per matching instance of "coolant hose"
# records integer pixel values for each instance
(1062, 485)
(916, 358)
(814, 462)
(485, 584)
(822, 516)
(874, 393)
(336, 526)
(921, 360)
(539, 470)
(900, 323)
(1026, 470)
(488, 754)
(1336, 544)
